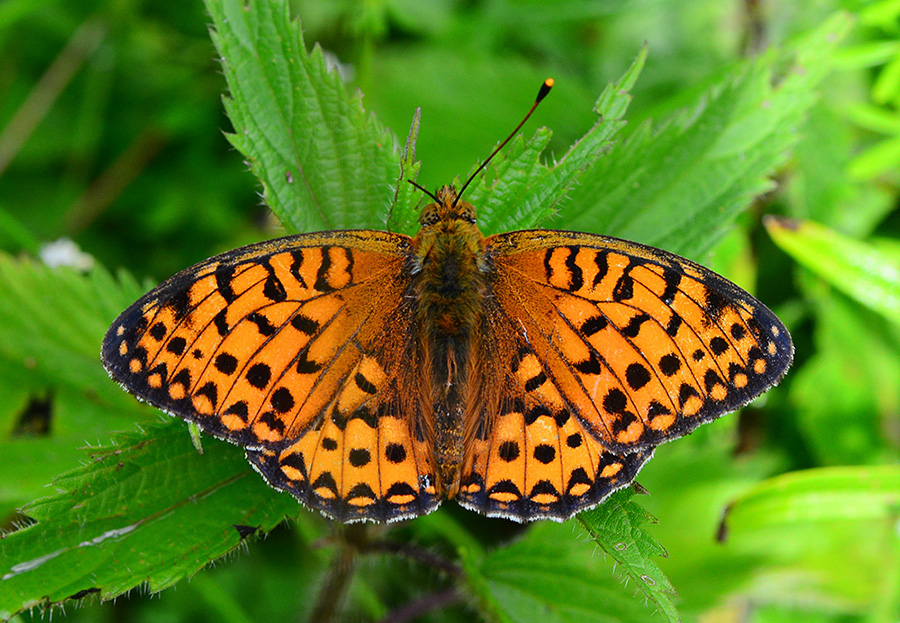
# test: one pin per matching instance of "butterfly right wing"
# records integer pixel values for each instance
(303, 351)
(604, 349)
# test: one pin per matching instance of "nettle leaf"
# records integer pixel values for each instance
(679, 185)
(323, 161)
(53, 319)
(147, 509)
(57, 397)
(549, 575)
(617, 527)
(404, 215)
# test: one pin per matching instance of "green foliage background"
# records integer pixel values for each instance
(113, 135)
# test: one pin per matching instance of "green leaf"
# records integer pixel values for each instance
(616, 526)
(323, 161)
(680, 185)
(861, 271)
(819, 188)
(879, 159)
(52, 321)
(550, 576)
(816, 495)
(404, 216)
(148, 509)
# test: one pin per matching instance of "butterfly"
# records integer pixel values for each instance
(372, 375)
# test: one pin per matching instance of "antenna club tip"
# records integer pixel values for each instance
(545, 88)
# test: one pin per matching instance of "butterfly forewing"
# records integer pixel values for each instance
(618, 347)
(291, 349)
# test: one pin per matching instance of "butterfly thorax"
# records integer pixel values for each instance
(450, 290)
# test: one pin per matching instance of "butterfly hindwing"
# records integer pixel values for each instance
(619, 347)
(528, 457)
(288, 348)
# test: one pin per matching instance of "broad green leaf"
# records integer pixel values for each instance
(679, 185)
(825, 494)
(52, 321)
(690, 481)
(148, 509)
(550, 576)
(323, 161)
(14, 235)
(874, 118)
(867, 54)
(887, 84)
(617, 527)
(852, 266)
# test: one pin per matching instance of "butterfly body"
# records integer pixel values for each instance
(450, 289)
(372, 375)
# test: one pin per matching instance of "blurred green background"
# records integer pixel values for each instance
(111, 135)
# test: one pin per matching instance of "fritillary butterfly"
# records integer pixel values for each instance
(527, 374)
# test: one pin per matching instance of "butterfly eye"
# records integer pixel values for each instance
(466, 212)
(429, 215)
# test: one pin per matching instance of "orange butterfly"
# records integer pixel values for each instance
(528, 374)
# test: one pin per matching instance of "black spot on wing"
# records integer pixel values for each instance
(364, 384)
(594, 324)
(304, 324)
(259, 375)
(176, 346)
(634, 325)
(624, 288)
(576, 277)
(297, 262)
(224, 276)
(158, 331)
(225, 363)
(262, 323)
(273, 288)
(672, 279)
(602, 263)
(305, 365)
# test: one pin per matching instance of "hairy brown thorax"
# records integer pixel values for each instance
(450, 291)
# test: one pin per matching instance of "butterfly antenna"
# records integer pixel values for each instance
(425, 190)
(542, 93)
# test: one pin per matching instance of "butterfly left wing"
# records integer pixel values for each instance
(608, 349)
(301, 350)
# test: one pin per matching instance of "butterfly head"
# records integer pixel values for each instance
(446, 208)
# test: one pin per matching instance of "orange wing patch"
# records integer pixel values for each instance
(290, 348)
